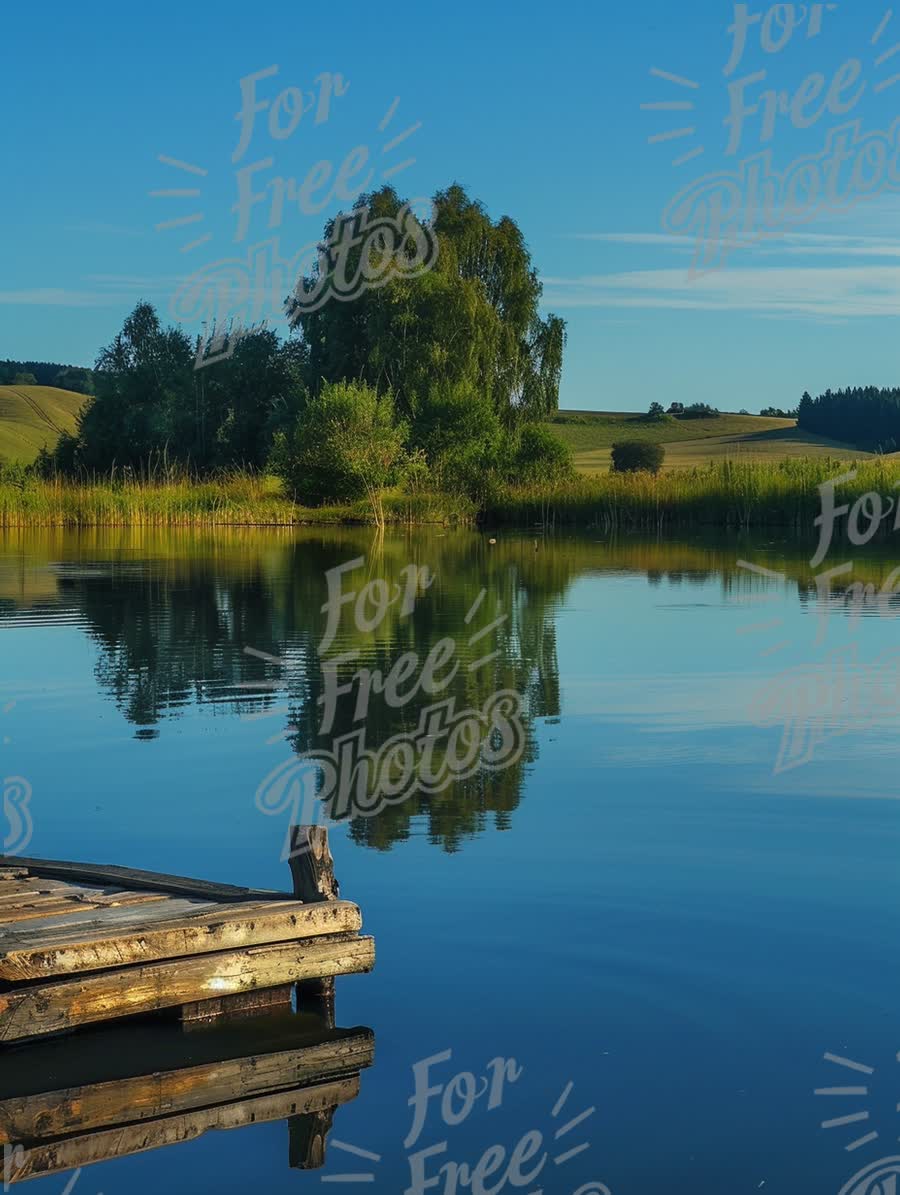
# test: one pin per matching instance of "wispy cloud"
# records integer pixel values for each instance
(848, 291)
(54, 296)
(858, 288)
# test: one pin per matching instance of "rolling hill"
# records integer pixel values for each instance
(689, 442)
(32, 416)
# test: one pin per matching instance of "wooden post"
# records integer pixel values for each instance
(312, 865)
(312, 870)
(307, 1137)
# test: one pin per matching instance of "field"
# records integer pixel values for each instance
(32, 416)
(690, 442)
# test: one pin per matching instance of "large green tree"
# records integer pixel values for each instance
(472, 318)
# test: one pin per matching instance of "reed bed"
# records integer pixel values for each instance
(232, 500)
(726, 494)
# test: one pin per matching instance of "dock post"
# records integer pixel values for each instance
(307, 1137)
(312, 870)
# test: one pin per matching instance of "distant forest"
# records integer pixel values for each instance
(47, 373)
(865, 416)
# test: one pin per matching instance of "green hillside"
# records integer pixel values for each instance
(688, 442)
(32, 416)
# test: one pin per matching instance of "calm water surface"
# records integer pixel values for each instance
(678, 900)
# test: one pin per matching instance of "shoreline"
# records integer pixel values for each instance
(730, 495)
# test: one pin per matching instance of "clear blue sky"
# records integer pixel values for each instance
(535, 108)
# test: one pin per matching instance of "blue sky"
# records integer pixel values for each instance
(537, 110)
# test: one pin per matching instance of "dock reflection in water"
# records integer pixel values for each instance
(106, 1093)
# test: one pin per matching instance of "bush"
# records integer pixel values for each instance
(346, 444)
(699, 410)
(630, 456)
(541, 456)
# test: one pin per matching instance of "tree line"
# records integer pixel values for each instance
(443, 377)
(46, 373)
(865, 416)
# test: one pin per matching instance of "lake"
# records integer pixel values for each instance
(672, 894)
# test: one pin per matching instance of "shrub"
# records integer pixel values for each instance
(699, 410)
(541, 456)
(630, 456)
(346, 444)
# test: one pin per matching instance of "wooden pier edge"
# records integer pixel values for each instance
(95, 955)
(314, 882)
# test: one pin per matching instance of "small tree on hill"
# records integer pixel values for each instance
(632, 456)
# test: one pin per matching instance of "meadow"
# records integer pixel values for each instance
(691, 442)
(33, 417)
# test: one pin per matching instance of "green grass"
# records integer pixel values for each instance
(32, 417)
(727, 494)
(690, 442)
(234, 500)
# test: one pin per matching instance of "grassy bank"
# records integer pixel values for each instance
(726, 494)
(240, 500)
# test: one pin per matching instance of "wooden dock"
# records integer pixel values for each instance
(81, 944)
(134, 1086)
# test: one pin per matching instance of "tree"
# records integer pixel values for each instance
(140, 379)
(472, 318)
(656, 411)
(24, 379)
(151, 405)
(699, 410)
(346, 444)
(676, 408)
(631, 456)
(74, 378)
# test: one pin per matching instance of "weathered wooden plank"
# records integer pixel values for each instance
(148, 1097)
(74, 1152)
(50, 905)
(108, 875)
(16, 893)
(66, 1003)
(29, 884)
(99, 920)
(109, 944)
